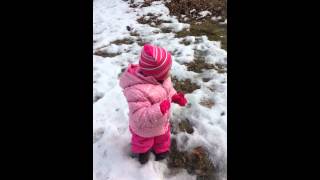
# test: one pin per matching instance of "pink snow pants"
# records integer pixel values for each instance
(158, 143)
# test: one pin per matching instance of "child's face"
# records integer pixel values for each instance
(165, 77)
(168, 75)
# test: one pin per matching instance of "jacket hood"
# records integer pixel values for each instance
(132, 77)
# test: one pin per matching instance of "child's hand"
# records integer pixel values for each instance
(164, 106)
(179, 99)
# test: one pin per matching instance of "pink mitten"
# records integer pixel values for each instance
(164, 106)
(179, 99)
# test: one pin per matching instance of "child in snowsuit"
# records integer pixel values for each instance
(148, 89)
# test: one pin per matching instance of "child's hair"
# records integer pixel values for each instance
(155, 61)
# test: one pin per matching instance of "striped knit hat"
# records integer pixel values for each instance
(155, 61)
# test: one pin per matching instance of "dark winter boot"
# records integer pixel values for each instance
(144, 157)
(161, 156)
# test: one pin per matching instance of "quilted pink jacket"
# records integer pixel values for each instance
(144, 95)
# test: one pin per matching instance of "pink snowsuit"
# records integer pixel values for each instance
(149, 127)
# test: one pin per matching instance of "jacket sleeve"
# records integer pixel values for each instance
(172, 90)
(142, 111)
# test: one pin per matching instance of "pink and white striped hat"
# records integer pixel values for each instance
(155, 61)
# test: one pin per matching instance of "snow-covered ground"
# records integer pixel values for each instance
(111, 148)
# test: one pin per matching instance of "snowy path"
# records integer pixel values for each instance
(110, 120)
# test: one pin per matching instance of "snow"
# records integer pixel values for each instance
(157, 8)
(111, 148)
(225, 22)
(204, 13)
(110, 19)
(214, 18)
(176, 27)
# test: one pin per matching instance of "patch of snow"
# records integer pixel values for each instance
(224, 22)
(204, 13)
(110, 19)
(176, 27)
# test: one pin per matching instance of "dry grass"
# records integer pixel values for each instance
(186, 86)
(185, 126)
(185, 7)
(207, 103)
(123, 41)
(213, 30)
(196, 162)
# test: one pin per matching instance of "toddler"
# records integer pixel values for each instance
(148, 89)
